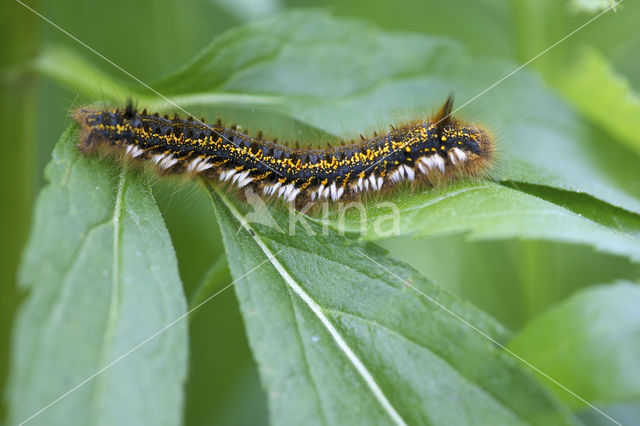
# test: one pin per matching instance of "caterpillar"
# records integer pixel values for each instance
(436, 150)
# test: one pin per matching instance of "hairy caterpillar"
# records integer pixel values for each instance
(439, 149)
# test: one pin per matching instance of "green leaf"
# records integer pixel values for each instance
(485, 210)
(590, 343)
(341, 337)
(512, 280)
(615, 219)
(102, 278)
(311, 76)
(605, 97)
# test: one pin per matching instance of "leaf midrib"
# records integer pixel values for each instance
(318, 311)
(337, 311)
(114, 304)
(406, 338)
(306, 359)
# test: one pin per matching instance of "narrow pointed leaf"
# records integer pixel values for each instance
(341, 337)
(102, 278)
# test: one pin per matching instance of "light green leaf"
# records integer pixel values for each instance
(102, 278)
(615, 219)
(339, 339)
(485, 210)
(247, 10)
(626, 413)
(607, 98)
(590, 343)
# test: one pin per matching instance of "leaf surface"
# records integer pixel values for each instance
(342, 334)
(102, 278)
(589, 343)
(486, 210)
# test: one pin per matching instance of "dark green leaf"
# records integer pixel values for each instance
(342, 337)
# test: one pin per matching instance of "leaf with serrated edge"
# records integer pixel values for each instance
(485, 210)
(102, 277)
(341, 341)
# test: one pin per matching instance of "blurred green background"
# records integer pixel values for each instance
(150, 39)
